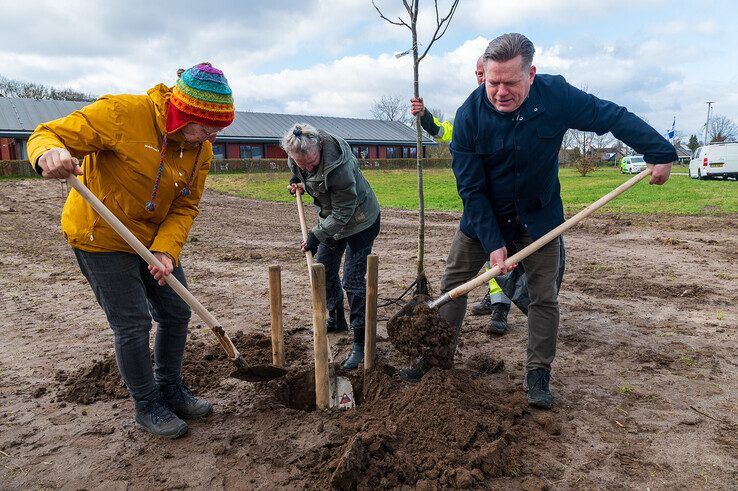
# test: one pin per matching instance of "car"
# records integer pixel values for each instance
(715, 160)
(632, 164)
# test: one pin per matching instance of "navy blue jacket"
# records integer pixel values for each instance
(506, 165)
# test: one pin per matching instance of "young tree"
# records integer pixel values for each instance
(442, 23)
(693, 143)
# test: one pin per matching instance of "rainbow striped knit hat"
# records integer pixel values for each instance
(202, 95)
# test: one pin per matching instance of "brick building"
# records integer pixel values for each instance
(251, 136)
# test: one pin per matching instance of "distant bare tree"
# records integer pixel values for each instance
(391, 108)
(721, 129)
(31, 90)
(442, 23)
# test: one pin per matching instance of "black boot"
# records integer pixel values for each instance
(539, 394)
(336, 320)
(483, 307)
(415, 372)
(357, 350)
(498, 319)
(157, 417)
(184, 403)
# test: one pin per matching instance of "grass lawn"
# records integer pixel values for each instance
(398, 189)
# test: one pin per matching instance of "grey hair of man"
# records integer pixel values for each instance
(302, 139)
(508, 46)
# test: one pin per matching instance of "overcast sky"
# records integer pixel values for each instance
(660, 59)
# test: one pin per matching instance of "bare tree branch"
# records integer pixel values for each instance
(721, 129)
(400, 23)
(391, 108)
(439, 24)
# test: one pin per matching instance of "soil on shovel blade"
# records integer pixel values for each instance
(419, 331)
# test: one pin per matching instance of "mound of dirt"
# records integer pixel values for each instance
(418, 330)
(450, 430)
(205, 366)
(485, 364)
(99, 382)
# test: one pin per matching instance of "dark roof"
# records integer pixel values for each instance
(19, 117)
(682, 151)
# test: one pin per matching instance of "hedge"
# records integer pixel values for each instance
(16, 168)
(23, 168)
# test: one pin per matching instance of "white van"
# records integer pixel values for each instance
(715, 160)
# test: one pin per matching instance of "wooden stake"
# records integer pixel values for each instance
(370, 333)
(275, 311)
(320, 338)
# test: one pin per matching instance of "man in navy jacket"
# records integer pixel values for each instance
(505, 146)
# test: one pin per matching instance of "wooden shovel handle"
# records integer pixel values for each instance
(147, 256)
(534, 246)
(303, 226)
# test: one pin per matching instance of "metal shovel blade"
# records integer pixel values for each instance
(342, 393)
(258, 373)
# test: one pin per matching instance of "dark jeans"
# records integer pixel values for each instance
(130, 297)
(465, 259)
(357, 247)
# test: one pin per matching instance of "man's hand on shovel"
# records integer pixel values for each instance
(659, 173)
(498, 258)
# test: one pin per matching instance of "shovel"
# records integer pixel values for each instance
(254, 373)
(341, 390)
(484, 278)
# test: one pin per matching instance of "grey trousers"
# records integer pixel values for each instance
(130, 297)
(466, 258)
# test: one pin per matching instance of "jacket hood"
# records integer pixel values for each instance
(335, 152)
(159, 95)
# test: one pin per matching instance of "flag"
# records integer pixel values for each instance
(671, 132)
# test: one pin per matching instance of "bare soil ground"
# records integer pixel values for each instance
(646, 378)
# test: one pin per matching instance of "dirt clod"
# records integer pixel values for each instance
(418, 330)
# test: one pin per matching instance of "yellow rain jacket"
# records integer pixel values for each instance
(120, 137)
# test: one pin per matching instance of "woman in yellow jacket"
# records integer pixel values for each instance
(146, 157)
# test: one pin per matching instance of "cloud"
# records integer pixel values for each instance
(335, 58)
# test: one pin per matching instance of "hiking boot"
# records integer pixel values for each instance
(184, 403)
(415, 372)
(536, 382)
(498, 320)
(157, 417)
(483, 307)
(336, 320)
(357, 350)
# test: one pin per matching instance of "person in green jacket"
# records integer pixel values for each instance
(324, 167)
(496, 300)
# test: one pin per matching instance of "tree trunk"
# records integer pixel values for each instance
(421, 286)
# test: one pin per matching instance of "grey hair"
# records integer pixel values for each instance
(508, 46)
(301, 139)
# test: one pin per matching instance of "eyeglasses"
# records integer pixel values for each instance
(209, 130)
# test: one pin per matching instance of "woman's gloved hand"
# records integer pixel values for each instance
(311, 244)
